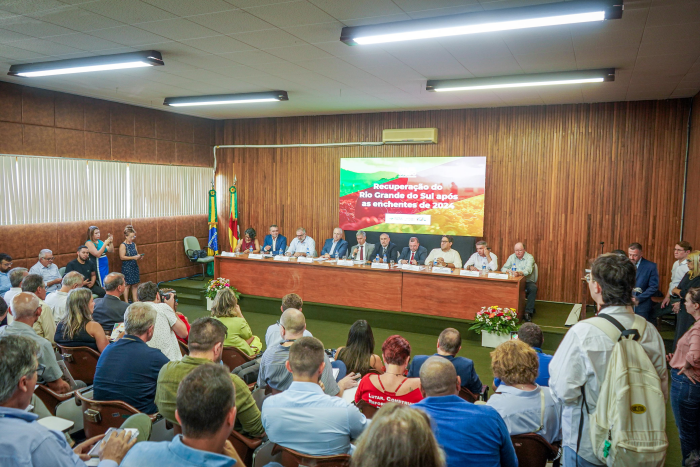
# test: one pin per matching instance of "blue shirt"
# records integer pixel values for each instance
(464, 366)
(5, 284)
(171, 453)
(26, 443)
(128, 371)
(49, 273)
(543, 376)
(470, 434)
(305, 419)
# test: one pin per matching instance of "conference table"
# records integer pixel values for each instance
(361, 286)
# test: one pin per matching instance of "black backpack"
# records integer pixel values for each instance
(194, 255)
(249, 371)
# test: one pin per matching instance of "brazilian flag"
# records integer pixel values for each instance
(213, 243)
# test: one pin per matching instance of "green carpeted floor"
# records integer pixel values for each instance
(334, 334)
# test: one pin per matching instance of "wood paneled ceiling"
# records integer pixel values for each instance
(232, 46)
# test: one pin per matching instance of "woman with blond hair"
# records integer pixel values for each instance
(130, 267)
(77, 328)
(399, 436)
(525, 406)
(689, 281)
(225, 309)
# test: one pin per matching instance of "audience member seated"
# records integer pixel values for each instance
(169, 296)
(3, 312)
(393, 385)
(273, 365)
(25, 442)
(336, 246)
(248, 244)
(26, 308)
(206, 342)
(110, 310)
(448, 345)
(206, 411)
(57, 299)
(305, 419)
(45, 326)
(525, 406)
(87, 269)
(46, 268)
(274, 243)
(273, 336)
(398, 436)
(584, 353)
(413, 253)
(532, 335)
(77, 328)
(471, 434)
(167, 324)
(225, 309)
(16, 275)
(5, 266)
(358, 353)
(445, 256)
(128, 369)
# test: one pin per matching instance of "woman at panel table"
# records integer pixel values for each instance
(77, 328)
(225, 308)
(392, 386)
(358, 353)
(98, 252)
(249, 244)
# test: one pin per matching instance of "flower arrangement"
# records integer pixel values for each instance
(218, 284)
(496, 320)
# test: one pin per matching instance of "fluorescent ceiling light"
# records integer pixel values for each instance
(144, 58)
(223, 99)
(517, 81)
(488, 21)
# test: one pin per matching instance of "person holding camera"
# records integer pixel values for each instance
(130, 267)
(167, 326)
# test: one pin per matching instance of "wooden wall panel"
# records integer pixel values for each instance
(560, 178)
(691, 226)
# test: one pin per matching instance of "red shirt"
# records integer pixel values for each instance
(369, 393)
(245, 246)
(183, 318)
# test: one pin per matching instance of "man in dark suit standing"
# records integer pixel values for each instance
(387, 249)
(110, 309)
(335, 246)
(413, 253)
(274, 243)
(647, 281)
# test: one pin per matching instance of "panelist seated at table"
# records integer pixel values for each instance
(302, 245)
(413, 253)
(482, 259)
(387, 249)
(249, 244)
(445, 255)
(335, 246)
(274, 243)
(363, 251)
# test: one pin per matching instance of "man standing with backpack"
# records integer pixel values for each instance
(617, 360)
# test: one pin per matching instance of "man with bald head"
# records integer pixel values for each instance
(26, 308)
(273, 371)
(109, 310)
(335, 246)
(454, 420)
(524, 264)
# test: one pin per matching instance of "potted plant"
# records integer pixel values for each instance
(213, 287)
(495, 324)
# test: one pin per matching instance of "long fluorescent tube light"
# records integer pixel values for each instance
(224, 99)
(486, 21)
(87, 64)
(517, 81)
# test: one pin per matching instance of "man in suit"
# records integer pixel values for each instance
(110, 309)
(387, 249)
(647, 281)
(413, 253)
(363, 251)
(274, 243)
(335, 246)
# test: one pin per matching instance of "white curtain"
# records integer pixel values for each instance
(45, 189)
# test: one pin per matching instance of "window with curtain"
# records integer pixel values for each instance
(46, 189)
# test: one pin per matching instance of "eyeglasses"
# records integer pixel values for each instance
(589, 278)
(681, 250)
(40, 370)
(49, 259)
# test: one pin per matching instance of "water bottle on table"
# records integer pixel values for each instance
(513, 270)
(483, 269)
(385, 258)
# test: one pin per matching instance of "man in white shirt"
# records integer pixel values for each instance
(57, 300)
(167, 323)
(302, 245)
(363, 251)
(524, 265)
(16, 276)
(445, 255)
(679, 269)
(482, 259)
(46, 268)
(582, 358)
(273, 336)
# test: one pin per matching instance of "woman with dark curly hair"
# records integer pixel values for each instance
(250, 243)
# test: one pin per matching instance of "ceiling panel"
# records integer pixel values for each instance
(128, 11)
(268, 39)
(357, 8)
(191, 8)
(231, 22)
(321, 32)
(77, 19)
(291, 14)
(177, 29)
(219, 44)
(129, 35)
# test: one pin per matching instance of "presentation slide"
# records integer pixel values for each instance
(421, 195)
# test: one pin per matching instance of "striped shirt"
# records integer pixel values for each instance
(273, 373)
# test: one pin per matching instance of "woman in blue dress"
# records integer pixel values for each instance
(130, 268)
(98, 252)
